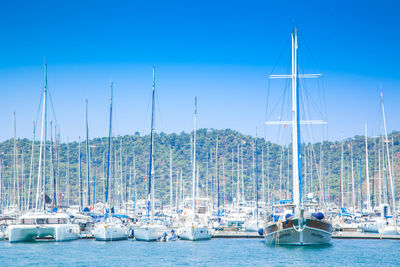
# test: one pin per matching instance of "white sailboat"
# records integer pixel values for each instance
(194, 223)
(293, 223)
(389, 227)
(149, 229)
(110, 228)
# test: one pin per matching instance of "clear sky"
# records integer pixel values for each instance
(221, 51)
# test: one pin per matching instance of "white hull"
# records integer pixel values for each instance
(388, 230)
(195, 233)
(370, 227)
(149, 232)
(308, 236)
(110, 232)
(60, 232)
(252, 226)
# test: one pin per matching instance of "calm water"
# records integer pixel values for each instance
(216, 252)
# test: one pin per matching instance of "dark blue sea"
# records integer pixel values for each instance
(216, 252)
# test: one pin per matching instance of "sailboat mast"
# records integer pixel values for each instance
(87, 155)
(1, 186)
(352, 178)
(194, 154)
(42, 152)
(134, 182)
(52, 167)
(296, 145)
(151, 146)
(170, 179)
(109, 147)
(256, 175)
(392, 184)
(341, 181)
(367, 170)
(67, 175)
(45, 138)
(15, 161)
(216, 173)
(80, 176)
(31, 169)
(94, 182)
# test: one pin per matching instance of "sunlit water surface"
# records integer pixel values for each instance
(216, 252)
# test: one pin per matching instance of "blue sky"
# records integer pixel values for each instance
(221, 51)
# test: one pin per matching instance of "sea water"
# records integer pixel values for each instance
(215, 252)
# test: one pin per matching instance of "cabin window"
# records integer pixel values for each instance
(42, 221)
(53, 220)
(27, 221)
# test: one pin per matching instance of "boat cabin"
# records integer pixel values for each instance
(44, 218)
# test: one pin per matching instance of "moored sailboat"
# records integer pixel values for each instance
(110, 228)
(294, 223)
(149, 229)
(194, 226)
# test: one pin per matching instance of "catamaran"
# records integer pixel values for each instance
(295, 223)
(41, 223)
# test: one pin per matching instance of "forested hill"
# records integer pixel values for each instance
(130, 149)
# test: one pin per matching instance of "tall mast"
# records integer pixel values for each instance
(361, 194)
(255, 151)
(341, 181)
(45, 138)
(58, 165)
(392, 184)
(109, 147)
(94, 181)
(151, 147)
(87, 155)
(216, 173)
(42, 160)
(80, 176)
(232, 182)
(238, 176)
(170, 179)
(1, 186)
(194, 154)
(367, 171)
(296, 127)
(52, 167)
(15, 161)
(134, 183)
(352, 178)
(268, 194)
(379, 175)
(262, 174)
(31, 169)
(67, 175)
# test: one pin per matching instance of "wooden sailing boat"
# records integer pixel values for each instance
(294, 223)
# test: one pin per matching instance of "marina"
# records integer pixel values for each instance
(199, 134)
